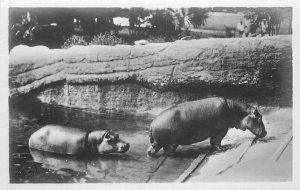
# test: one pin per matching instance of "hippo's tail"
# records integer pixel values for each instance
(151, 136)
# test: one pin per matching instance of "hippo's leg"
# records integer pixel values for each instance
(154, 148)
(170, 149)
(215, 140)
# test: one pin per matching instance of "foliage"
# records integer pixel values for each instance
(184, 18)
(198, 16)
(162, 22)
(106, 39)
(23, 31)
(100, 39)
(137, 16)
(74, 40)
(193, 35)
(93, 21)
(157, 39)
(273, 16)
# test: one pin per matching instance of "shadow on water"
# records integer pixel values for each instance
(33, 166)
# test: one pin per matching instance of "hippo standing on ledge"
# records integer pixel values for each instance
(65, 140)
(192, 122)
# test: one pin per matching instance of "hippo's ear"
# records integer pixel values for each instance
(106, 135)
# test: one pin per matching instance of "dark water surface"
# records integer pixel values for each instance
(33, 166)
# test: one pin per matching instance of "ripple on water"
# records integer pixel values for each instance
(29, 166)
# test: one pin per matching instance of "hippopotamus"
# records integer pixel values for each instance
(73, 141)
(196, 121)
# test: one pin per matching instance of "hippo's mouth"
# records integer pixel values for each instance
(258, 132)
(262, 134)
(123, 149)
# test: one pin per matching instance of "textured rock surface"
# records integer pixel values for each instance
(154, 75)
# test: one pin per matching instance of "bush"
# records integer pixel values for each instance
(156, 39)
(101, 39)
(75, 40)
(161, 39)
(193, 35)
(106, 39)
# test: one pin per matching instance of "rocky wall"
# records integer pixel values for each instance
(140, 78)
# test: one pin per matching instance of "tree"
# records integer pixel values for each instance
(172, 21)
(287, 13)
(198, 16)
(184, 18)
(137, 16)
(273, 16)
(162, 22)
(23, 31)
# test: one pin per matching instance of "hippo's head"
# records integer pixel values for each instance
(253, 122)
(108, 142)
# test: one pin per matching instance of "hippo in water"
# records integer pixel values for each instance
(195, 121)
(66, 140)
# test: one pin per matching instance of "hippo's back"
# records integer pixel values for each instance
(205, 110)
(54, 138)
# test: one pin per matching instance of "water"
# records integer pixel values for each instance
(33, 166)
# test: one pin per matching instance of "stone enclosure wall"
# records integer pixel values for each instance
(140, 78)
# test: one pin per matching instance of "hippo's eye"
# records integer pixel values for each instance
(256, 113)
(113, 140)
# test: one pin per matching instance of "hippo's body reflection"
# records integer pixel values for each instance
(93, 167)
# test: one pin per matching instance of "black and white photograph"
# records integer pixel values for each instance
(173, 93)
